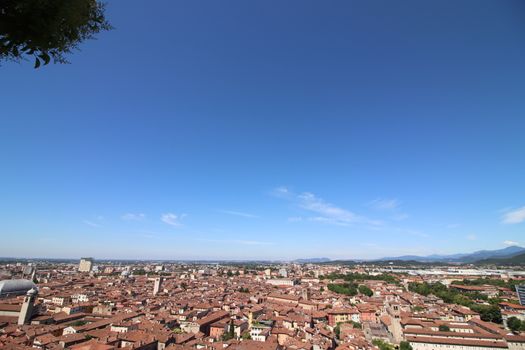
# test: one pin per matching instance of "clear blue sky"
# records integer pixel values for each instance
(271, 129)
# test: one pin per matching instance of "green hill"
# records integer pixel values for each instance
(514, 260)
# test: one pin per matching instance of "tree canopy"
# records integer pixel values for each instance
(515, 324)
(350, 277)
(404, 345)
(345, 288)
(46, 30)
(365, 290)
(489, 313)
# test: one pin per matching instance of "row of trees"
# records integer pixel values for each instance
(351, 277)
(511, 284)
(448, 295)
(350, 289)
(489, 313)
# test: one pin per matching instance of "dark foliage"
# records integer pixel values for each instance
(404, 345)
(444, 328)
(46, 30)
(515, 324)
(365, 290)
(345, 289)
(350, 277)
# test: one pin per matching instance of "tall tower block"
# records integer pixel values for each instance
(27, 307)
(85, 265)
(157, 285)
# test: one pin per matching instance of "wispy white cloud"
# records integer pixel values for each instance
(325, 211)
(91, 223)
(95, 221)
(281, 192)
(472, 237)
(133, 217)
(239, 213)
(326, 220)
(329, 212)
(384, 204)
(172, 219)
(392, 206)
(515, 216)
(451, 226)
(511, 243)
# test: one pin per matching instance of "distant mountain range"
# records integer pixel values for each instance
(505, 256)
(478, 256)
(514, 260)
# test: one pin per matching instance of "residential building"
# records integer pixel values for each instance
(85, 265)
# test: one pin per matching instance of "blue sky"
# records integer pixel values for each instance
(271, 129)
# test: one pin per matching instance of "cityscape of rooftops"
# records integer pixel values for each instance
(262, 175)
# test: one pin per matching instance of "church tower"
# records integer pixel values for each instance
(33, 275)
(27, 307)
(305, 293)
(157, 285)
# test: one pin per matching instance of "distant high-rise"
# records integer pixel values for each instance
(157, 286)
(520, 290)
(86, 265)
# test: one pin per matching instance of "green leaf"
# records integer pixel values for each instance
(37, 62)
